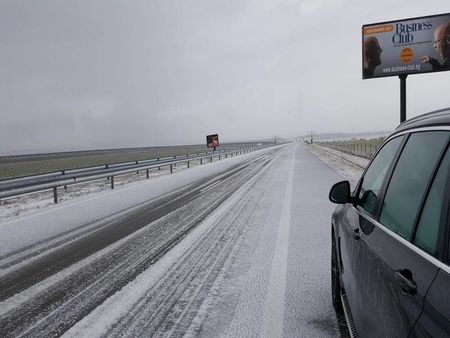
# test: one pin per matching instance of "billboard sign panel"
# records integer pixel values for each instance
(410, 46)
(212, 141)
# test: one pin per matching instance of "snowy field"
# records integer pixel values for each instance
(245, 253)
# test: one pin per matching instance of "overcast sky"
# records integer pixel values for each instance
(106, 74)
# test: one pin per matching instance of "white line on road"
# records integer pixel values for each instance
(210, 186)
(272, 325)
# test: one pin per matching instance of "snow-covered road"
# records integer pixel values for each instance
(242, 253)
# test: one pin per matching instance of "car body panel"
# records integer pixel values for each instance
(372, 256)
(435, 321)
(370, 259)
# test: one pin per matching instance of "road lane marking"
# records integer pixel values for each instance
(210, 186)
(272, 325)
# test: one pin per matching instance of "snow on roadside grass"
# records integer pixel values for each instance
(350, 167)
(28, 203)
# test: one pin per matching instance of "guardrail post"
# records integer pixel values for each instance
(171, 169)
(201, 161)
(112, 182)
(55, 195)
(210, 159)
(219, 157)
(188, 164)
(148, 174)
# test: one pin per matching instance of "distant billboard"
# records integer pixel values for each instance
(409, 46)
(212, 141)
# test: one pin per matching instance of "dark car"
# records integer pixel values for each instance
(391, 236)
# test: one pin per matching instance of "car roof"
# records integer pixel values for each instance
(439, 117)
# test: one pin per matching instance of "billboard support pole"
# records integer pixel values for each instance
(402, 97)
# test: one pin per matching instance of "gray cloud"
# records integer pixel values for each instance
(95, 74)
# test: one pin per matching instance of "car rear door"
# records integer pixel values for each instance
(391, 275)
(432, 238)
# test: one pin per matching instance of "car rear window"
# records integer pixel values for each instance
(410, 180)
(431, 219)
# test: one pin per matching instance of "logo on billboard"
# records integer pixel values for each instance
(410, 46)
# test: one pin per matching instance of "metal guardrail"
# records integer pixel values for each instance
(35, 183)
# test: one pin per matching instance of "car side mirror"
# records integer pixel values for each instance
(340, 193)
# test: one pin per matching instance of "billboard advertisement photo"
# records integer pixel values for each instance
(212, 141)
(410, 46)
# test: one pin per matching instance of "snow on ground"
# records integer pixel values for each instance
(23, 231)
(11, 208)
(350, 167)
(276, 280)
(29, 203)
(26, 204)
(117, 306)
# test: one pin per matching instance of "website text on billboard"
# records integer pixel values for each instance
(409, 46)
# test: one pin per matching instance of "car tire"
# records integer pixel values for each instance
(335, 278)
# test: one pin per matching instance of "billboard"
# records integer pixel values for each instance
(212, 141)
(409, 46)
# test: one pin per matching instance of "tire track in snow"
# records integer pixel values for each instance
(59, 307)
(272, 325)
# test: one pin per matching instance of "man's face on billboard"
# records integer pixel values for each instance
(441, 41)
(373, 51)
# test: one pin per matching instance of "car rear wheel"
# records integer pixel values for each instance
(335, 278)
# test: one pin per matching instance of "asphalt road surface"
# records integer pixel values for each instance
(244, 253)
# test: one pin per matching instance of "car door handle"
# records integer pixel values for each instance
(356, 234)
(405, 281)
